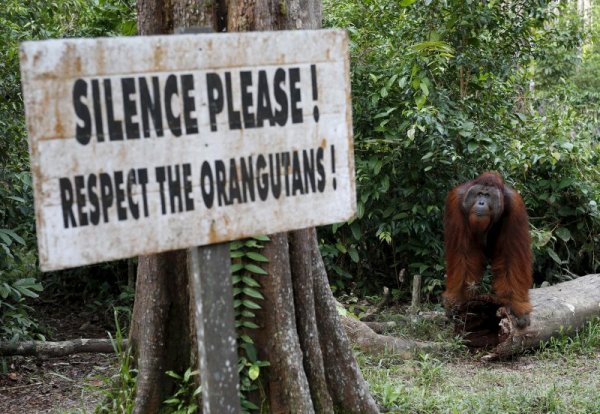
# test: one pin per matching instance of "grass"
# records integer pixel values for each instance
(562, 377)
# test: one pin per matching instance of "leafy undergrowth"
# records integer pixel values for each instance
(71, 384)
(563, 376)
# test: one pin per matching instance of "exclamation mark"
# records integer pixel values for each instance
(333, 166)
(315, 91)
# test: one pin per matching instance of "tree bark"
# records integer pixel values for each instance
(57, 349)
(162, 335)
(302, 336)
(558, 309)
(346, 383)
(370, 342)
(306, 318)
(278, 341)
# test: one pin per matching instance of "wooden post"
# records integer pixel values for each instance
(416, 292)
(209, 268)
(210, 272)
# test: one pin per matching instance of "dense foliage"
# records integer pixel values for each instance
(443, 90)
(20, 21)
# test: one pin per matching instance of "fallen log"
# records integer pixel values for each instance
(370, 342)
(58, 349)
(557, 310)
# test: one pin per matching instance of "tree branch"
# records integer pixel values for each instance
(57, 349)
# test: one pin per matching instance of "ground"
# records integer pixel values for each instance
(562, 378)
(525, 385)
(59, 385)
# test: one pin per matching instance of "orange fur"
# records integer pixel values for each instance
(471, 241)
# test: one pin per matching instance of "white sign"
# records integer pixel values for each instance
(146, 144)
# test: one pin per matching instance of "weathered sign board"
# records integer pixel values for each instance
(147, 144)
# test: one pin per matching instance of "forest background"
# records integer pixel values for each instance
(441, 90)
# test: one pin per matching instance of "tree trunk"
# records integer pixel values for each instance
(299, 306)
(558, 309)
(278, 339)
(346, 383)
(312, 365)
(162, 335)
(303, 280)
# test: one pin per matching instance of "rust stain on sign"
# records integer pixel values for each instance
(185, 140)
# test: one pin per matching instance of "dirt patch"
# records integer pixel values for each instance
(59, 385)
(55, 385)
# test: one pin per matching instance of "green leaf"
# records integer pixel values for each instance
(253, 372)
(468, 125)
(255, 269)
(472, 146)
(250, 325)
(563, 233)
(247, 314)
(248, 281)
(26, 292)
(173, 374)
(236, 267)
(251, 305)
(341, 247)
(565, 182)
(377, 166)
(353, 254)
(252, 244)
(7, 240)
(13, 235)
(253, 293)
(256, 257)
(5, 290)
(250, 350)
(249, 405)
(236, 245)
(261, 238)
(189, 373)
(553, 255)
(360, 210)
(355, 228)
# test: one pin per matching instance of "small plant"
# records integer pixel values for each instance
(119, 389)
(549, 402)
(16, 322)
(246, 268)
(430, 370)
(185, 397)
(393, 396)
(585, 341)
